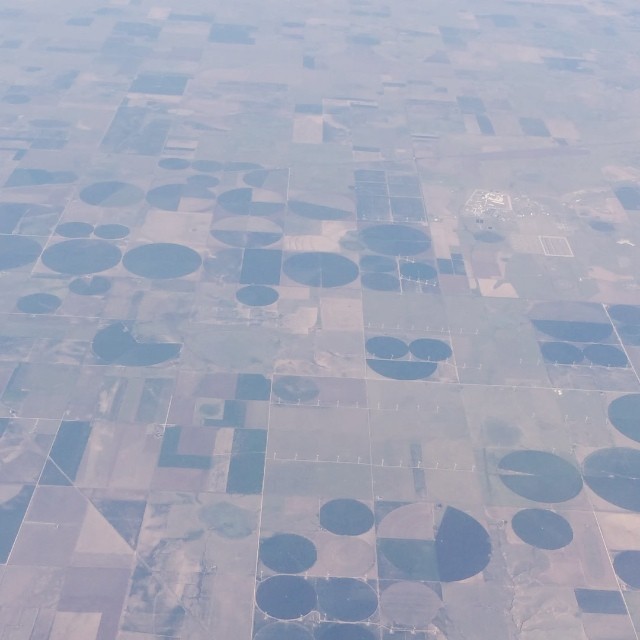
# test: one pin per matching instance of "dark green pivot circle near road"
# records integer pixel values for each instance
(257, 295)
(38, 303)
(174, 164)
(346, 517)
(630, 334)
(386, 347)
(162, 261)
(74, 229)
(574, 330)
(288, 553)
(625, 313)
(286, 597)
(17, 251)
(542, 528)
(111, 231)
(614, 475)
(605, 355)
(540, 476)
(320, 269)
(93, 286)
(402, 369)
(81, 257)
(115, 344)
(461, 549)
(624, 415)
(380, 281)
(430, 349)
(627, 567)
(561, 353)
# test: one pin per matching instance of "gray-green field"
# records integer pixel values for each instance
(320, 320)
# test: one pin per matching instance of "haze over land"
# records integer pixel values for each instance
(321, 321)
